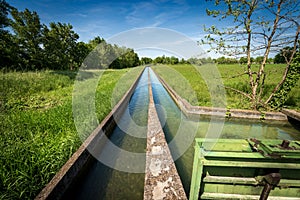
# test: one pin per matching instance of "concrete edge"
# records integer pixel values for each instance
(191, 110)
(64, 177)
(162, 180)
(292, 114)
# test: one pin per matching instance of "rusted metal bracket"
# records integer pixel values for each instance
(271, 180)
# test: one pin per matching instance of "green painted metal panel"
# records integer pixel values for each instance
(241, 197)
(238, 169)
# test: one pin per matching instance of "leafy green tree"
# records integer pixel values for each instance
(183, 61)
(254, 33)
(243, 60)
(146, 60)
(28, 38)
(4, 10)
(60, 46)
(82, 50)
(194, 61)
(131, 58)
(174, 60)
(126, 58)
(221, 60)
(159, 59)
(259, 59)
(94, 42)
(166, 60)
(206, 60)
(7, 47)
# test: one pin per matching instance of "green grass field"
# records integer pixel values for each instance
(37, 130)
(228, 75)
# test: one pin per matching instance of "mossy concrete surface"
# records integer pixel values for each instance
(161, 179)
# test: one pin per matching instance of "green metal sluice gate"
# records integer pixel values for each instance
(246, 169)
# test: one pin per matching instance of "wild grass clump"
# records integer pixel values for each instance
(37, 130)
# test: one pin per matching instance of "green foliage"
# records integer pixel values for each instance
(281, 96)
(228, 112)
(4, 10)
(195, 61)
(94, 42)
(262, 116)
(28, 38)
(126, 58)
(174, 60)
(166, 60)
(223, 60)
(243, 60)
(60, 46)
(259, 59)
(105, 56)
(146, 60)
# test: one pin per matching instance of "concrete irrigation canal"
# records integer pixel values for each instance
(147, 121)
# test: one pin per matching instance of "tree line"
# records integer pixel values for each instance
(27, 44)
(278, 59)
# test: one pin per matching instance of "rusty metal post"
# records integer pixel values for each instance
(271, 180)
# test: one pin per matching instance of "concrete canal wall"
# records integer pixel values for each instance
(191, 111)
(292, 114)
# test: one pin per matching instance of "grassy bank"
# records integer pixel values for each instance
(38, 134)
(231, 76)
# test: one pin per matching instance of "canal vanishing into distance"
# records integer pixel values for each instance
(99, 181)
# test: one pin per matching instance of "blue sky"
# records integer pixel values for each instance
(106, 18)
(92, 18)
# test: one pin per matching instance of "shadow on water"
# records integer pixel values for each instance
(295, 123)
(95, 177)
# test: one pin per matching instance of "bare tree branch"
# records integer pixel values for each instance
(238, 91)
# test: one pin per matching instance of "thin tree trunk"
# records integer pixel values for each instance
(266, 54)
